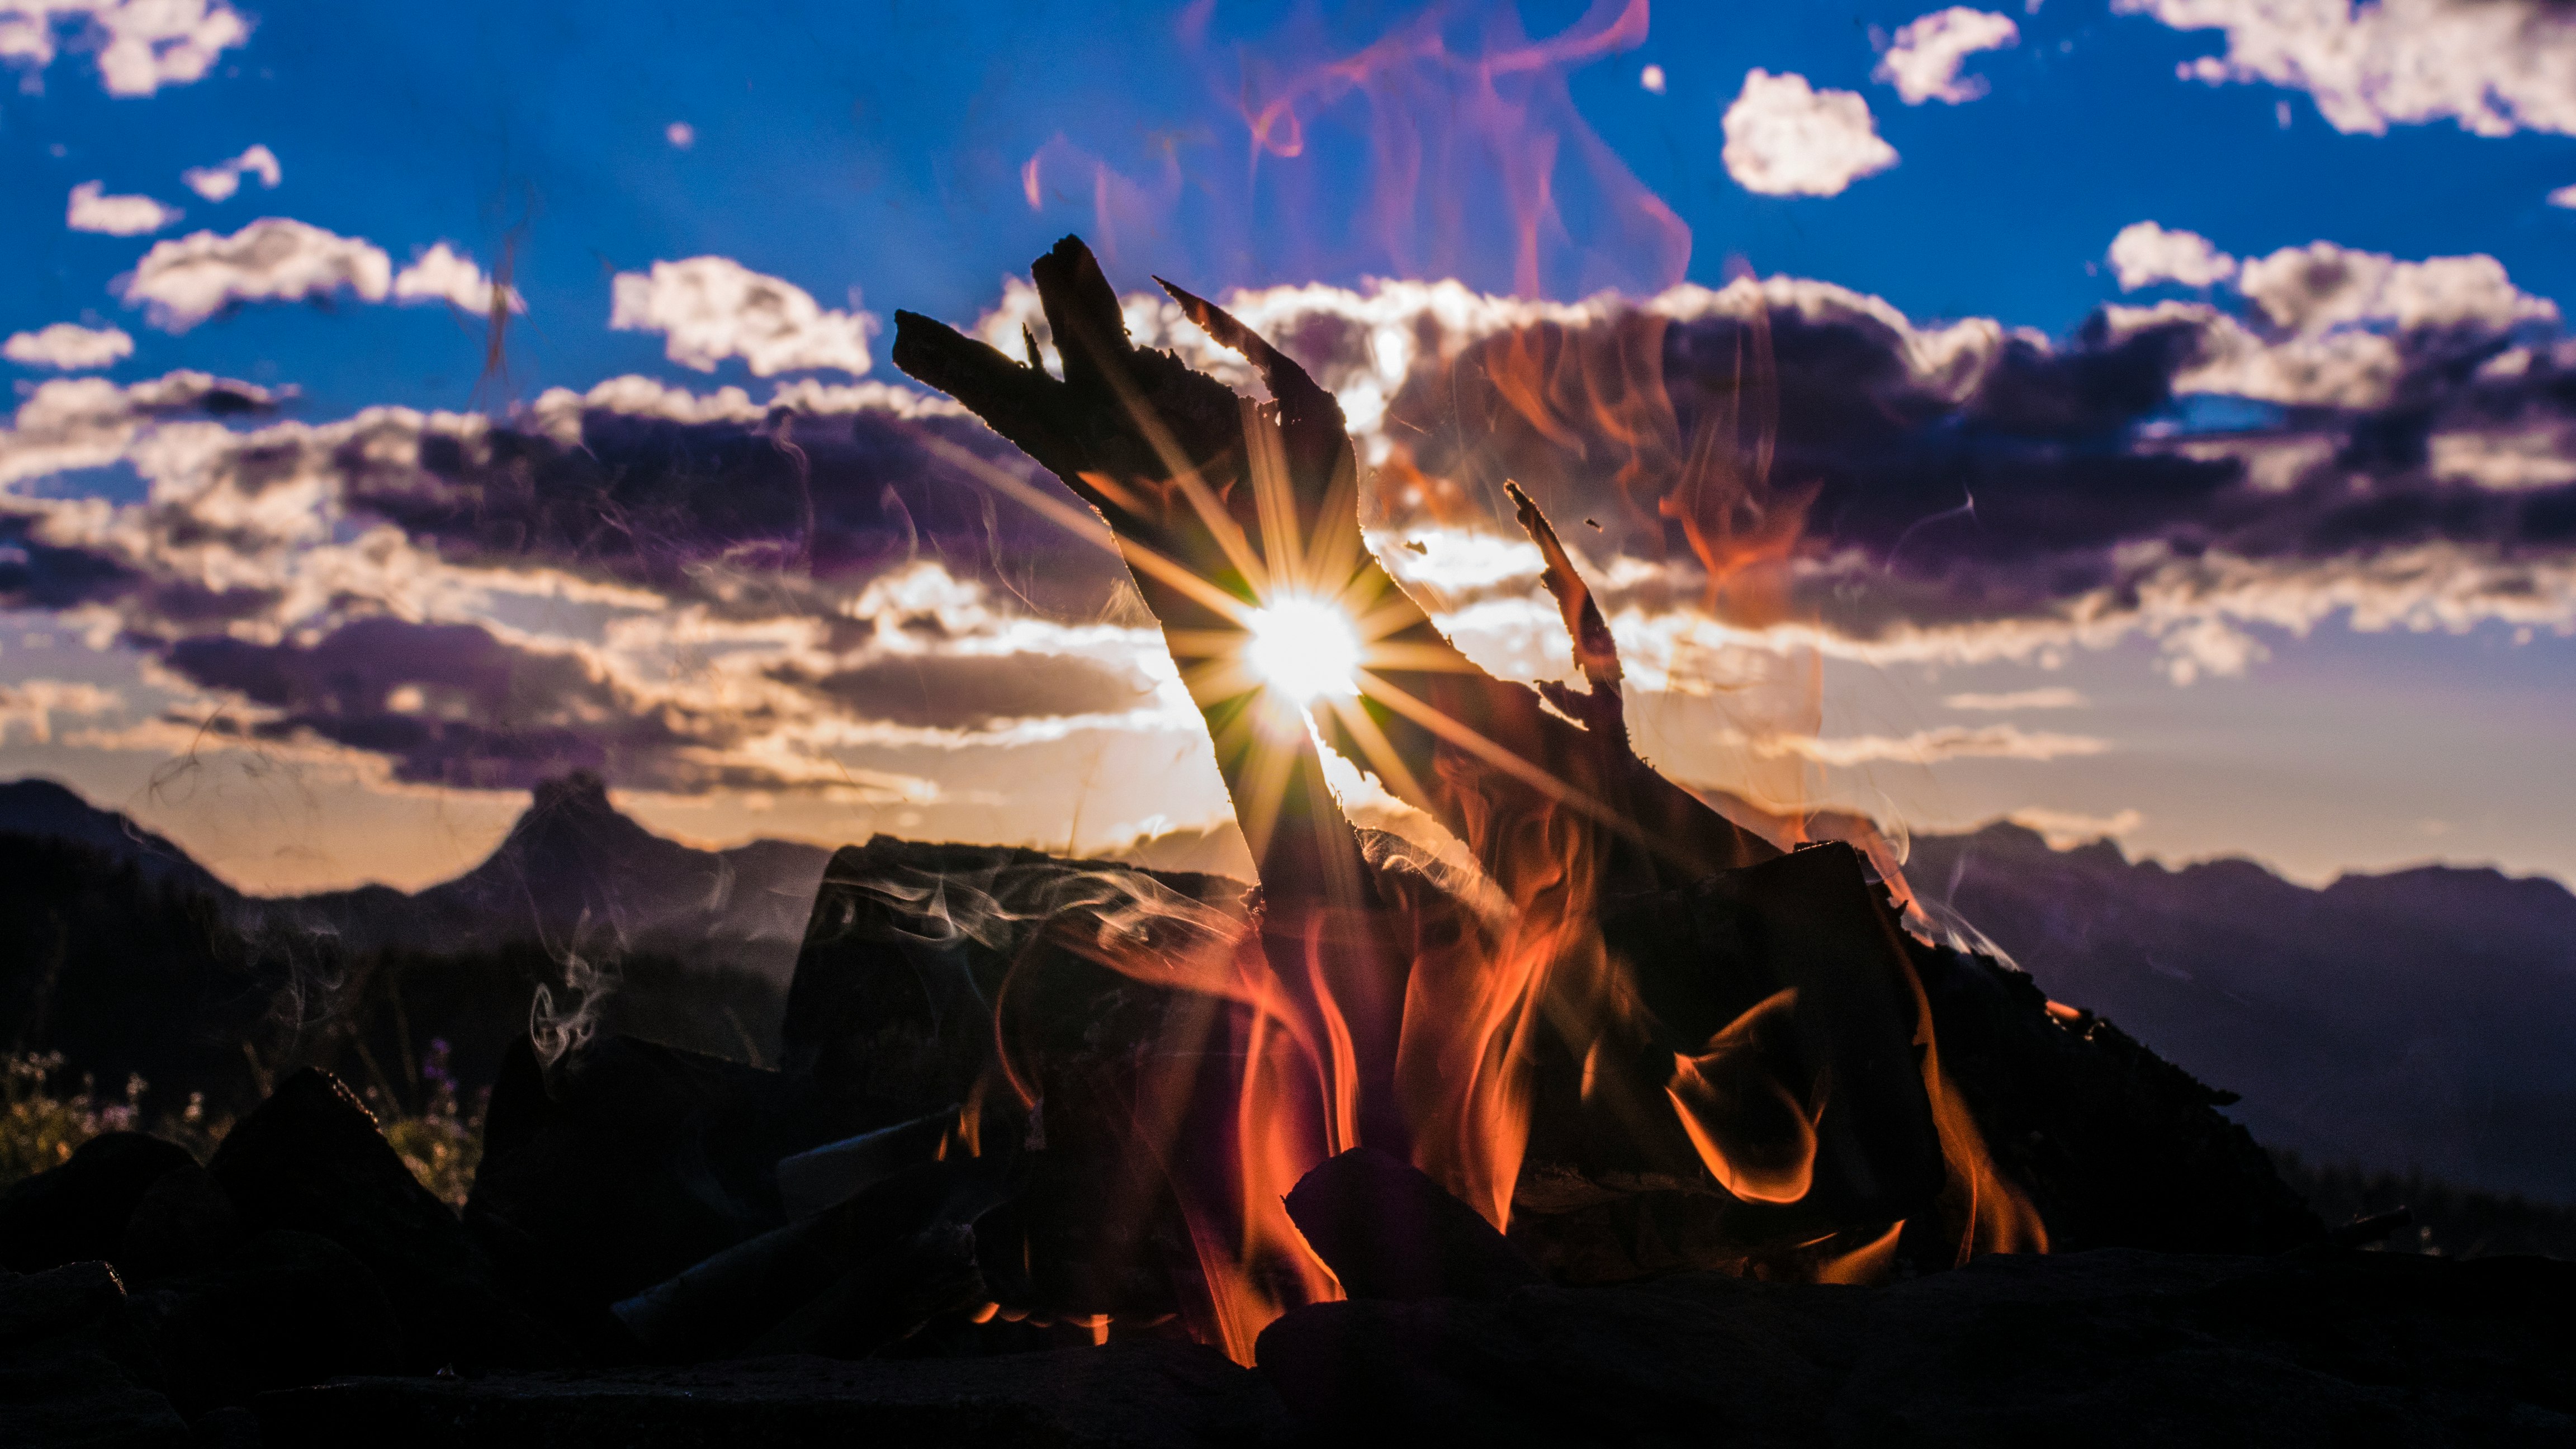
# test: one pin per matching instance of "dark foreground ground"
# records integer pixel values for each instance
(2110, 1348)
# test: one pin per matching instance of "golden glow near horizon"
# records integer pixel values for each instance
(1304, 648)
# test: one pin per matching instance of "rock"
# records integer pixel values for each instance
(74, 1370)
(76, 1212)
(2114, 1347)
(1388, 1231)
(310, 1159)
(1144, 1395)
(282, 1310)
(183, 1222)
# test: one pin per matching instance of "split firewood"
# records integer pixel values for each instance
(1220, 505)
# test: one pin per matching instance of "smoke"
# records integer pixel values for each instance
(556, 1031)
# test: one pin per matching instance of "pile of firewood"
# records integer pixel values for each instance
(1629, 1071)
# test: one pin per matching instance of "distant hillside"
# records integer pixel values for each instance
(573, 875)
(45, 810)
(2423, 1020)
(578, 877)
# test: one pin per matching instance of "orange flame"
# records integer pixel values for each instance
(1755, 1137)
(1980, 1207)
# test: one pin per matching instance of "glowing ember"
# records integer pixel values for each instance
(1305, 649)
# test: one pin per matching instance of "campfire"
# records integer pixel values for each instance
(1572, 994)
(1507, 1013)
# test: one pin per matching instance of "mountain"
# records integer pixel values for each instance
(2422, 1020)
(579, 877)
(2419, 1021)
(45, 810)
(574, 875)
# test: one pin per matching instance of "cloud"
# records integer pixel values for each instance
(69, 348)
(2057, 697)
(681, 135)
(712, 308)
(717, 589)
(183, 282)
(2320, 286)
(687, 594)
(2145, 253)
(2563, 196)
(2494, 66)
(442, 274)
(142, 45)
(2337, 327)
(2066, 828)
(1785, 139)
(31, 704)
(89, 422)
(219, 181)
(1923, 747)
(1922, 60)
(116, 215)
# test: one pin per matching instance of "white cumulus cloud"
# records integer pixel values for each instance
(1784, 138)
(2563, 196)
(219, 181)
(712, 308)
(2145, 253)
(67, 347)
(2321, 285)
(141, 45)
(2494, 66)
(90, 210)
(2338, 327)
(443, 274)
(184, 281)
(1922, 60)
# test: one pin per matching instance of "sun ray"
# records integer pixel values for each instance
(1378, 752)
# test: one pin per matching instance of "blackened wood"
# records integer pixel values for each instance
(2116, 1146)
(631, 1160)
(1117, 413)
(715, 1307)
(1388, 1231)
(884, 1298)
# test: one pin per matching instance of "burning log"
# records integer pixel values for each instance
(1365, 1002)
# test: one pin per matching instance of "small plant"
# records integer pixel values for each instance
(443, 1142)
(41, 1128)
(42, 1123)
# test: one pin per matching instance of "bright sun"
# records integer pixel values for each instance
(1304, 648)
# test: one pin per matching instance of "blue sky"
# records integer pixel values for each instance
(884, 156)
(879, 147)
